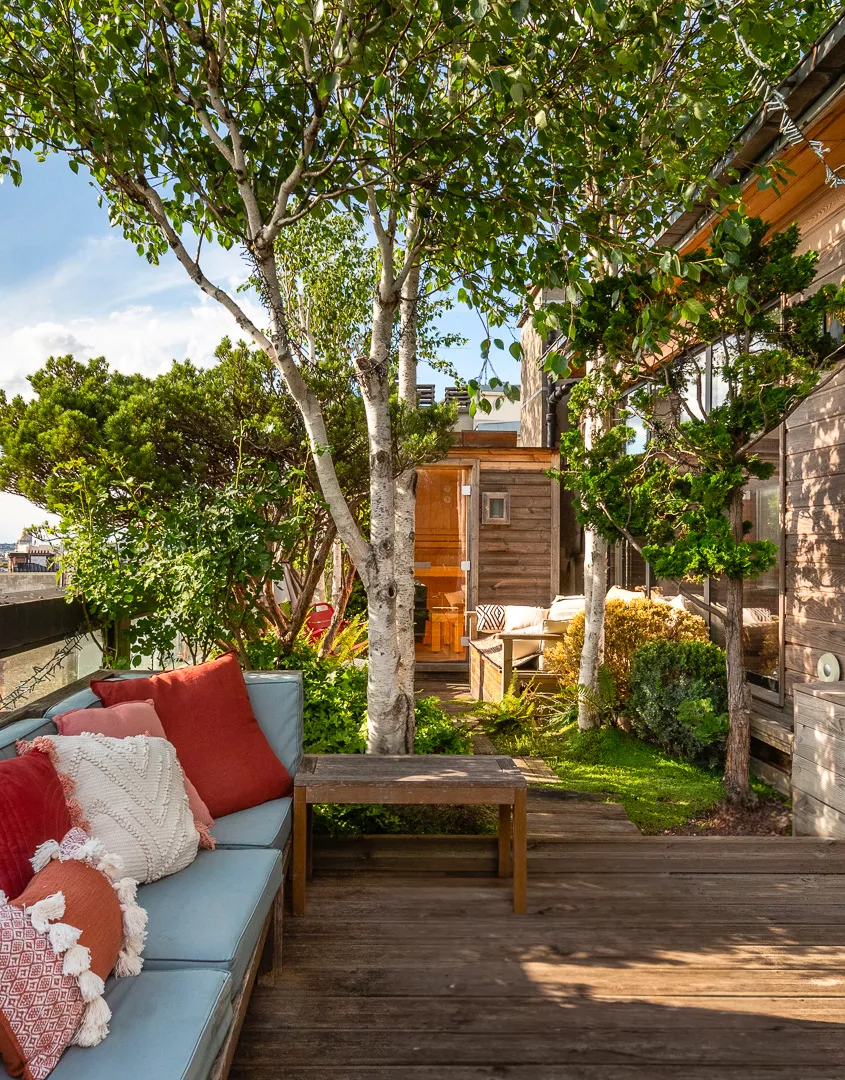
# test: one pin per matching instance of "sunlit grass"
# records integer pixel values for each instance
(657, 791)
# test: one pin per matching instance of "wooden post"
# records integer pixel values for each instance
(504, 839)
(507, 664)
(300, 853)
(309, 828)
(520, 851)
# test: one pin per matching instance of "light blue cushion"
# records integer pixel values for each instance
(267, 826)
(276, 699)
(211, 913)
(23, 729)
(167, 1025)
(82, 699)
(275, 696)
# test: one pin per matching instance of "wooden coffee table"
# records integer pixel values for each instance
(419, 779)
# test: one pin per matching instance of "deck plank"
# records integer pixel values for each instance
(635, 964)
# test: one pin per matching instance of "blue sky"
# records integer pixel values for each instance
(71, 284)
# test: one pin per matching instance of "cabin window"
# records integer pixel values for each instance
(496, 508)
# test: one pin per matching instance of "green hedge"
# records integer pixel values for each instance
(679, 698)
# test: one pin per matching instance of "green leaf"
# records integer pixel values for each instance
(478, 9)
(517, 92)
(541, 119)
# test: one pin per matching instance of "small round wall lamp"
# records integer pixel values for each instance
(828, 668)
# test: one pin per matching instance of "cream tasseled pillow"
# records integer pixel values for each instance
(132, 794)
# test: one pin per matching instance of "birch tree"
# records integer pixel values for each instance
(455, 129)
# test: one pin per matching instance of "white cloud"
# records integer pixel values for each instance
(105, 301)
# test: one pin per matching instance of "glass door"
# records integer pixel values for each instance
(440, 563)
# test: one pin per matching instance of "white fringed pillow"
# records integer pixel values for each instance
(132, 796)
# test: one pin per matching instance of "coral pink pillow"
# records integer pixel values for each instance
(206, 714)
(32, 809)
(121, 721)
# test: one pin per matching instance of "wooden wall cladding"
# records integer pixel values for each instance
(814, 528)
(818, 761)
(518, 563)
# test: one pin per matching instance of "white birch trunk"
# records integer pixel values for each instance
(337, 572)
(595, 588)
(390, 709)
(406, 486)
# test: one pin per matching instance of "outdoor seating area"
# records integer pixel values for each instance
(213, 927)
(422, 544)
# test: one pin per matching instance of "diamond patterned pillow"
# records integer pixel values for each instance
(40, 1007)
(132, 795)
(490, 618)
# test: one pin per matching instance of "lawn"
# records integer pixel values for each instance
(657, 791)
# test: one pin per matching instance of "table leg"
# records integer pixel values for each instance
(504, 840)
(310, 830)
(300, 853)
(520, 851)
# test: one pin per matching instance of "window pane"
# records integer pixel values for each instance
(761, 609)
(497, 508)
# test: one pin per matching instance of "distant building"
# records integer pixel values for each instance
(32, 556)
(505, 417)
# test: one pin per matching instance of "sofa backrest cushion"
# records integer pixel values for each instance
(23, 729)
(277, 701)
(276, 698)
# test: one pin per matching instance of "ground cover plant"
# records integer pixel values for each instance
(658, 790)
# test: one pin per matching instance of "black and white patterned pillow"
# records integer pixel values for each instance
(490, 618)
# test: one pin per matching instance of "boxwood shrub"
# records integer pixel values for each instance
(679, 698)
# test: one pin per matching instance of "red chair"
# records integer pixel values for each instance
(318, 621)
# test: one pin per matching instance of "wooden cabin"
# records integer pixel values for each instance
(487, 528)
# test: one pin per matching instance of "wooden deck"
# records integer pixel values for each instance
(639, 959)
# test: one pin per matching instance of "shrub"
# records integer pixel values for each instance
(679, 698)
(627, 626)
(436, 732)
(513, 714)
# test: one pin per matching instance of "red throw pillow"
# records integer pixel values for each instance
(32, 809)
(134, 718)
(206, 714)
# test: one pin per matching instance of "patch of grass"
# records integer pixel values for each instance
(657, 791)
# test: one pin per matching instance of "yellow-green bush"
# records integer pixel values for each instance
(627, 626)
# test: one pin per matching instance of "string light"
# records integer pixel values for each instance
(775, 100)
(41, 674)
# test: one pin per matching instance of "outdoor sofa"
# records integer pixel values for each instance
(211, 926)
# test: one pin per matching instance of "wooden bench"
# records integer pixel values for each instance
(413, 779)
